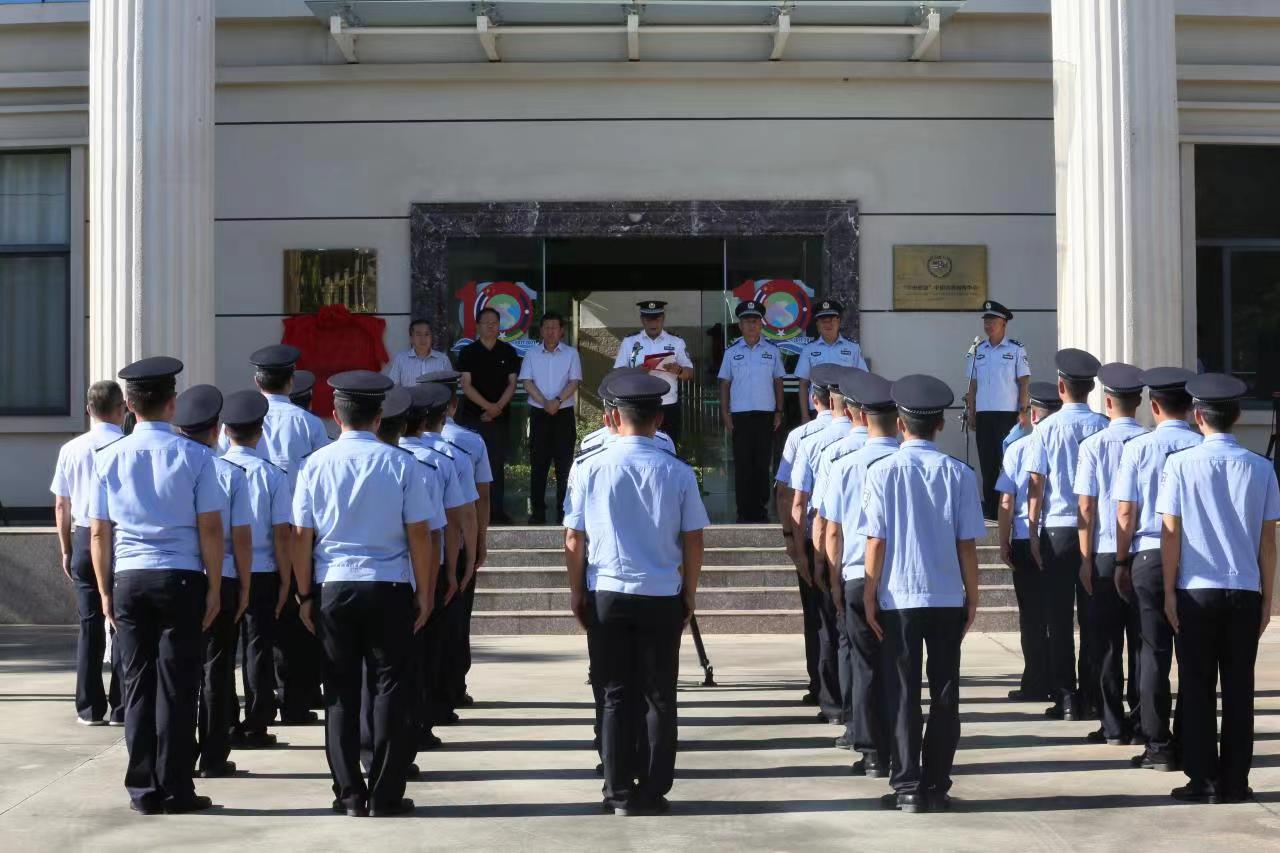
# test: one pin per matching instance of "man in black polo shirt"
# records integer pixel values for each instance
(489, 368)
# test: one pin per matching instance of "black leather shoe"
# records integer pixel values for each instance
(1075, 711)
(195, 803)
(913, 803)
(353, 807)
(401, 807)
(809, 698)
(1195, 793)
(1148, 760)
(1054, 712)
(227, 769)
(428, 740)
(600, 770)
(833, 719)
(1236, 797)
(939, 802)
(465, 700)
(447, 719)
(304, 719)
(413, 773)
(843, 742)
(146, 807)
(1020, 695)
(253, 740)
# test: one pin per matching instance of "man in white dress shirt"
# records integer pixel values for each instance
(550, 374)
(419, 358)
(655, 342)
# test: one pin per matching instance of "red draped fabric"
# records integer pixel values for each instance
(333, 340)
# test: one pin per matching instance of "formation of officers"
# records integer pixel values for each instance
(216, 518)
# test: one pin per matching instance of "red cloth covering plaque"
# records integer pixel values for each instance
(333, 340)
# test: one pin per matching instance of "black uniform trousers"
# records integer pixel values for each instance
(551, 440)
(1155, 701)
(92, 701)
(830, 696)
(218, 701)
(158, 617)
(297, 662)
(1218, 636)
(922, 765)
(752, 458)
(1060, 556)
(637, 638)
(639, 709)
(1108, 622)
(497, 438)
(257, 645)
(992, 427)
(812, 623)
(434, 702)
(458, 645)
(671, 423)
(1028, 588)
(367, 624)
(865, 727)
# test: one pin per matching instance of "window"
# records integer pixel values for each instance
(35, 261)
(1238, 263)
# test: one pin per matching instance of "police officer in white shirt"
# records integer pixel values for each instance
(831, 347)
(751, 408)
(73, 481)
(656, 342)
(999, 375)
(406, 366)
(551, 374)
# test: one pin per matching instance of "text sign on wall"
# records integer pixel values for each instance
(939, 277)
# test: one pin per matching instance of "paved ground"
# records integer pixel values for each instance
(754, 772)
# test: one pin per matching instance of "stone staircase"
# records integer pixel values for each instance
(748, 586)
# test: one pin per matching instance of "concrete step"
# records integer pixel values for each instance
(716, 536)
(534, 577)
(548, 557)
(711, 599)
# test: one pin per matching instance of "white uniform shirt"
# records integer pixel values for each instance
(635, 348)
(551, 371)
(750, 371)
(73, 476)
(997, 370)
(407, 366)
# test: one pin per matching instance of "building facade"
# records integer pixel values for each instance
(1118, 161)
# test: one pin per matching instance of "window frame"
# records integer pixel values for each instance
(72, 417)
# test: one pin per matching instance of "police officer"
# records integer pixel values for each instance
(841, 506)
(633, 586)
(158, 507)
(831, 347)
(592, 440)
(73, 482)
(751, 408)
(1220, 504)
(360, 509)
(998, 372)
(825, 389)
(1140, 570)
(1109, 616)
(654, 346)
(1053, 526)
(1015, 551)
(922, 516)
(304, 382)
(196, 417)
(270, 505)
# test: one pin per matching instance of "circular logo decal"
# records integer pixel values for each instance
(939, 266)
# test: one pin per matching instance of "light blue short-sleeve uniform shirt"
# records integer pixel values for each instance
(288, 437)
(358, 494)
(270, 503)
(804, 469)
(791, 447)
(633, 500)
(1013, 480)
(750, 371)
(236, 511)
(854, 439)
(1054, 452)
(1223, 493)
(921, 502)
(73, 475)
(152, 485)
(594, 439)
(1096, 471)
(451, 494)
(842, 351)
(319, 436)
(842, 502)
(1138, 479)
(458, 458)
(470, 441)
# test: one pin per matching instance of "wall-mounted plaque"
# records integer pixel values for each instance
(939, 278)
(315, 277)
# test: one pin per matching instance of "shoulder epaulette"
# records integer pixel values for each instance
(232, 464)
(675, 456)
(1132, 437)
(467, 428)
(459, 446)
(403, 449)
(876, 462)
(1179, 450)
(429, 464)
(962, 462)
(843, 454)
(277, 467)
(588, 453)
(1015, 342)
(108, 444)
(829, 443)
(305, 455)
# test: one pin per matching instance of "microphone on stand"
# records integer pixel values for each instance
(635, 350)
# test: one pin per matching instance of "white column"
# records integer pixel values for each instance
(1117, 173)
(151, 78)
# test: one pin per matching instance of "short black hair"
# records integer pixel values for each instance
(419, 321)
(639, 416)
(487, 310)
(433, 421)
(357, 413)
(148, 399)
(884, 421)
(822, 395)
(924, 426)
(391, 430)
(1078, 388)
(1125, 404)
(1173, 402)
(413, 420)
(272, 380)
(551, 315)
(1220, 417)
(244, 432)
(104, 398)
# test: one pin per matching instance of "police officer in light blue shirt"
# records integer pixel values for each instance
(593, 440)
(1053, 527)
(73, 482)
(633, 587)
(304, 382)
(1220, 504)
(841, 508)
(830, 347)
(1015, 551)
(751, 408)
(1138, 570)
(1110, 617)
(196, 417)
(922, 516)
(361, 514)
(158, 506)
(270, 505)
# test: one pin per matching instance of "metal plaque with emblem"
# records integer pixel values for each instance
(939, 277)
